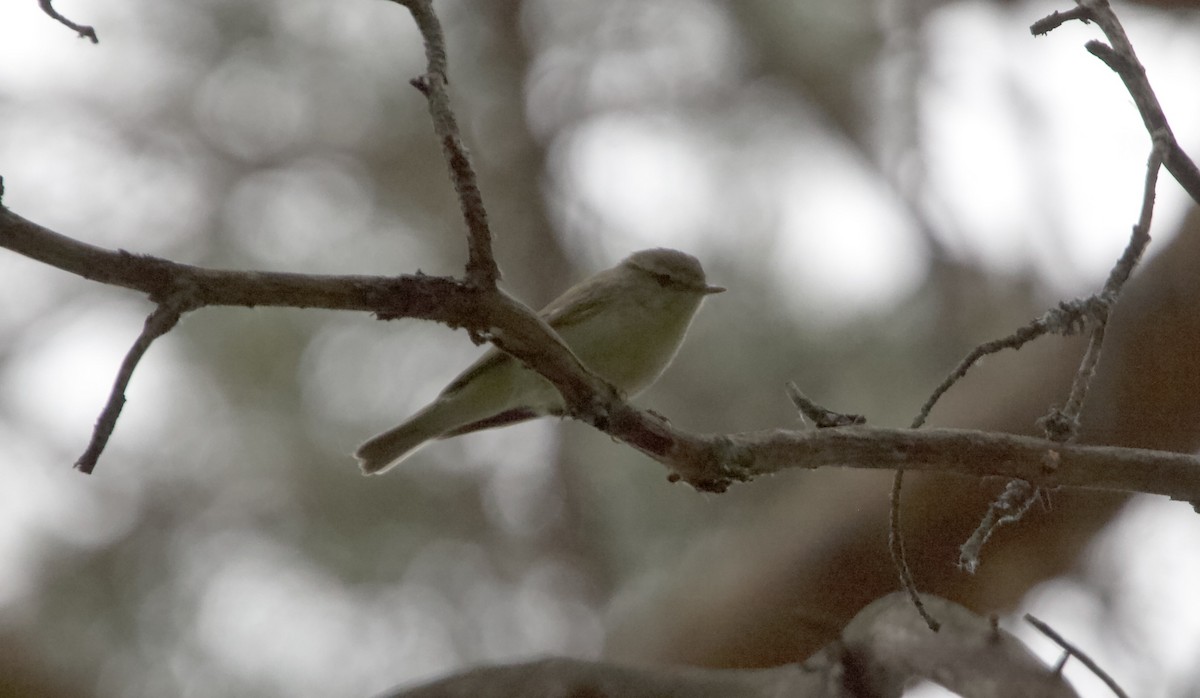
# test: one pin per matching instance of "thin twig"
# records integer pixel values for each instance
(1139, 239)
(1122, 59)
(1016, 340)
(482, 271)
(821, 417)
(900, 557)
(1062, 424)
(1079, 654)
(1056, 19)
(1008, 508)
(157, 324)
(84, 31)
(1066, 318)
(1073, 407)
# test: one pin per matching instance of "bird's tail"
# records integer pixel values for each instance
(389, 448)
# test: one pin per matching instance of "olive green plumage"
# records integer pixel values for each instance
(624, 323)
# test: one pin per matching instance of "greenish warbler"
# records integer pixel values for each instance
(624, 323)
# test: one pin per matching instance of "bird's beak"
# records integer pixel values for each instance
(709, 290)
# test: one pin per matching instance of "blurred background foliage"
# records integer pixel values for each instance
(882, 185)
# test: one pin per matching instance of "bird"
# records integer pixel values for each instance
(624, 323)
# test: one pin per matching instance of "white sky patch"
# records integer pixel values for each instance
(843, 247)
(161, 188)
(254, 587)
(43, 499)
(644, 178)
(850, 251)
(27, 33)
(300, 216)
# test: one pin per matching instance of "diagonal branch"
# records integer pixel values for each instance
(881, 652)
(1119, 56)
(1074, 651)
(511, 325)
(159, 322)
(84, 31)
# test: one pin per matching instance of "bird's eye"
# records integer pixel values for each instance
(663, 280)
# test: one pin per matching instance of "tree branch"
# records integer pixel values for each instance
(1062, 424)
(492, 314)
(1123, 60)
(84, 31)
(482, 271)
(706, 461)
(1073, 651)
(157, 324)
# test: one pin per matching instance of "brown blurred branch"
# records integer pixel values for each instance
(882, 650)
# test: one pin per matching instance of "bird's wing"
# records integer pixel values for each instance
(576, 305)
(492, 358)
